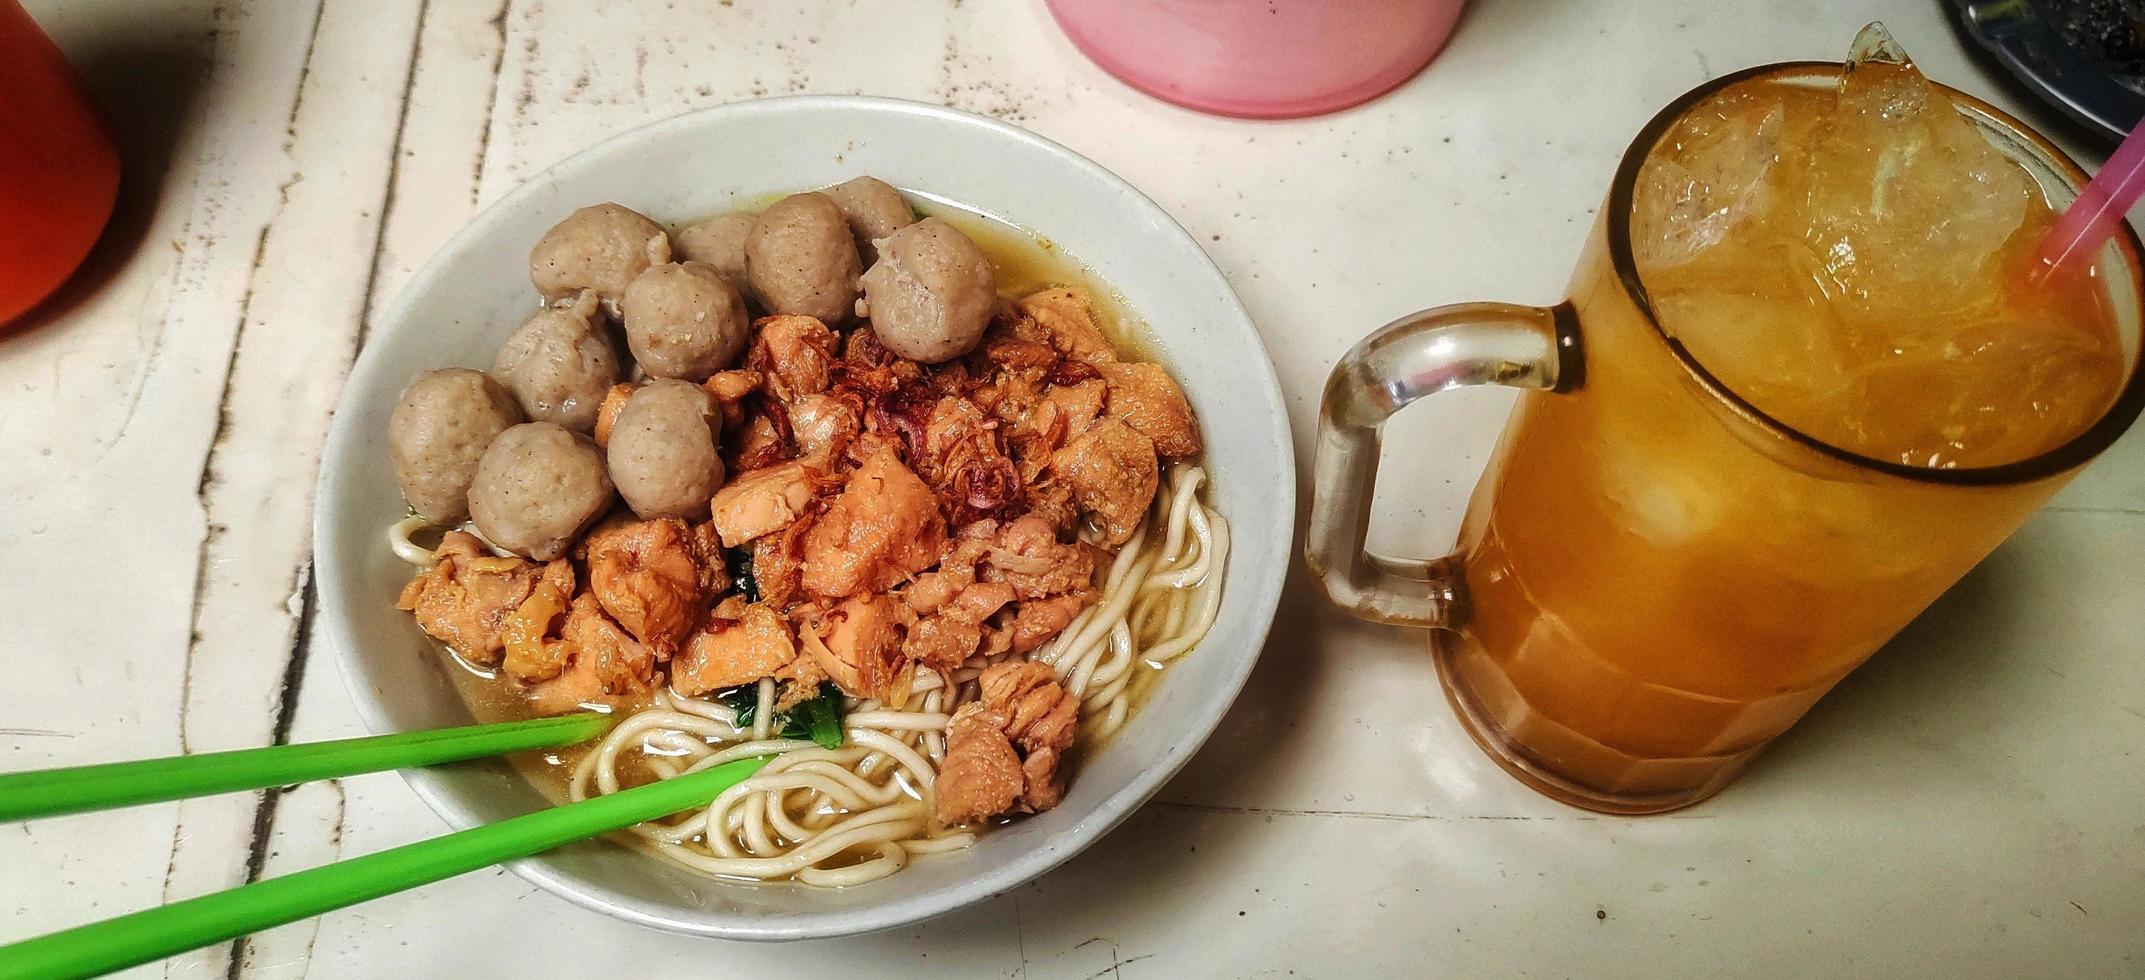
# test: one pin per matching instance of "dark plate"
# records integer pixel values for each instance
(2085, 57)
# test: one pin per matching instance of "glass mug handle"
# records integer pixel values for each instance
(1435, 350)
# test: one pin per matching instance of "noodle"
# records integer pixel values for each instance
(398, 540)
(402, 540)
(857, 813)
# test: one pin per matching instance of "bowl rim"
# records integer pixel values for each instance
(1258, 592)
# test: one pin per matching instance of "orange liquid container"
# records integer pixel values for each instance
(1655, 592)
(1739, 471)
(59, 169)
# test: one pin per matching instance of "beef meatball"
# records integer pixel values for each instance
(537, 486)
(684, 321)
(662, 451)
(873, 209)
(720, 242)
(802, 259)
(558, 366)
(437, 433)
(931, 293)
(601, 248)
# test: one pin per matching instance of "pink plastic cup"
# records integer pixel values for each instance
(1264, 59)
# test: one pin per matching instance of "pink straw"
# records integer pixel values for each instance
(2101, 205)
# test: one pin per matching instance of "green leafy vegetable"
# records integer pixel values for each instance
(739, 563)
(822, 718)
(743, 701)
(819, 719)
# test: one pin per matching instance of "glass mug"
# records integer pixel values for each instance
(1654, 578)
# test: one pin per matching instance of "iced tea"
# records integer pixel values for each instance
(1853, 382)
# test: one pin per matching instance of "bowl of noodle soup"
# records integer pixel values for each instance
(1178, 612)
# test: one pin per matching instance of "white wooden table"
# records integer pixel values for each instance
(1971, 803)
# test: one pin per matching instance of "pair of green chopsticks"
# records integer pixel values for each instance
(153, 934)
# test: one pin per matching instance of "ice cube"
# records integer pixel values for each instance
(1990, 390)
(1704, 177)
(1873, 44)
(1905, 200)
(1778, 351)
(1665, 505)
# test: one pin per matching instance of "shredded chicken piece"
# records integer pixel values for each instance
(778, 564)
(614, 402)
(1070, 373)
(648, 578)
(1014, 352)
(1003, 399)
(1003, 749)
(952, 630)
(535, 650)
(799, 682)
(960, 458)
(1029, 426)
(1030, 441)
(1035, 621)
(1069, 319)
(734, 385)
(706, 548)
(997, 639)
(956, 569)
(870, 369)
(883, 528)
(982, 775)
(859, 645)
(762, 438)
(796, 353)
(953, 429)
(1051, 500)
(1027, 556)
(762, 502)
(1080, 404)
(1112, 472)
(823, 425)
(980, 601)
(464, 599)
(953, 378)
(726, 653)
(872, 442)
(941, 642)
(1017, 346)
(1148, 400)
(932, 590)
(605, 665)
(729, 389)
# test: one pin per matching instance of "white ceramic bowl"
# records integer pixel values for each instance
(476, 290)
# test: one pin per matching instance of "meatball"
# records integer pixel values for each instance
(873, 209)
(558, 366)
(537, 486)
(662, 451)
(684, 321)
(931, 293)
(438, 432)
(601, 248)
(802, 259)
(720, 242)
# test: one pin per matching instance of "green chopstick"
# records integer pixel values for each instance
(50, 792)
(153, 934)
